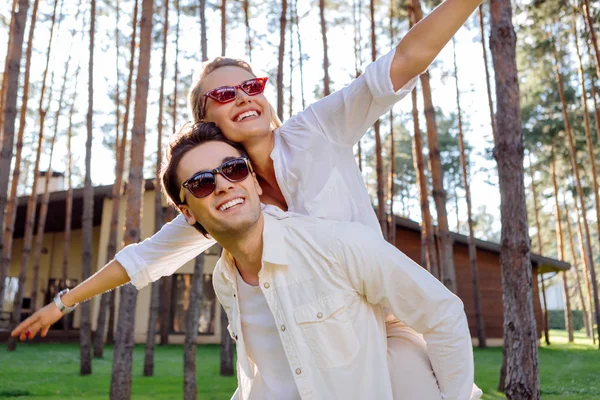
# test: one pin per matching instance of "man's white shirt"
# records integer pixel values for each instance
(326, 284)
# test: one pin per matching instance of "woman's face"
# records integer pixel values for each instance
(241, 120)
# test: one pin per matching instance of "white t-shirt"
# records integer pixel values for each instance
(273, 379)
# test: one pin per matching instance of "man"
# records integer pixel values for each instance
(305, 297)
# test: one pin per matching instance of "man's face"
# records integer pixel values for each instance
(233, 207)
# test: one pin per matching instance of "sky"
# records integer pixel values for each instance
(341, 53)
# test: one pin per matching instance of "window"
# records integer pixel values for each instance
(182, 285)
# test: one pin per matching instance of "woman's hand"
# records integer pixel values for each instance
(42, 319)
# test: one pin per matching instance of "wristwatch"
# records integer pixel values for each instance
(61, 307)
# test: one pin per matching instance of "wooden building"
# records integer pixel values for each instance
(408, 240)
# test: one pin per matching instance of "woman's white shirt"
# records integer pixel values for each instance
(315, 168)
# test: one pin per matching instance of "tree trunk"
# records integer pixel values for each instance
(391, 222)
(282, 22)
(429, 258)
(203, 37)
(120, 388)
(158, 210)
(190, 388)
(69, 197)
(10, 85)
(246, 7)
(291, 63)
(448, 272)
(87, 217)
(536, 211)
(378, 147)
(472, 247)
(587, 264)
(520, 342)
(223, 27)
(11, 209)
(580, 194)
(561, 253)
(587, 317)
(5, 72)
(487, 73)
(326, 90)
(226, 347)
(32, 201)
(356, 15)
(107, 302)
(300, 56)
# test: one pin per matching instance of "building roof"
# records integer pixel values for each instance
(56, 220)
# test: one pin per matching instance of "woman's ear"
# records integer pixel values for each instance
(256, 184)
(189, 217)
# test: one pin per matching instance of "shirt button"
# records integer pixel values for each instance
(282, 328)
(320, 315)
(298, 371)
(267, 285)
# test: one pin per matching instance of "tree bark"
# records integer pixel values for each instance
(120, 388)
(11, 209)
(447, 271)
(580, 194)
(536, 211)
(226, 347)
(223, 27)
(246, 7)
(300, 56)
(291, 63)
(520, 342)
(190, 387)
(561, 254)
(326, 90)
(158, 210)
(282, 23)
(203, 36)
(10, 85)
(472, 247)
(5, 72)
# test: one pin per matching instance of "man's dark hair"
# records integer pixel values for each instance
(188, 137)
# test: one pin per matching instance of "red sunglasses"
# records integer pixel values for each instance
(226, 94)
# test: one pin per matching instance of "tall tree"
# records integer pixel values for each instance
(282, 22)
(391, 222)
(10, 85)
(520, 342)
(190, 387)
(448, 274)
(487, 71)
(246, 7)
(587, 317)
(376, 129)
(158, 210)
(356, 19)
(32, 201)
(429, 258)
(561, 253)
(223, 27)
(120, 388)
(203, 37)
(291, 63)
(540, 249)
(472, 247)
(11, 210)
(326, 90)
(5, 72)
(300, 54)
(580, 194)
(87, 215)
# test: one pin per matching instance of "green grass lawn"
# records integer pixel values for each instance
(51, 371)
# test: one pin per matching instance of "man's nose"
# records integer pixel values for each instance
(222, 184)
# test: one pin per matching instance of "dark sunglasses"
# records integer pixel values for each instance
(203, 183)
(226, 94)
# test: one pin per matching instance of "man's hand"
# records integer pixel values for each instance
(41, 319)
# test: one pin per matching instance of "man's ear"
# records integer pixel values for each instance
(256, 184)
(189, 217)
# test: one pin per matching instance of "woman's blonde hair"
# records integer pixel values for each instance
(195, 96)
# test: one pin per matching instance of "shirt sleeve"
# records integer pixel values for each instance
(386, 276)
(344, 116)
(163, 253)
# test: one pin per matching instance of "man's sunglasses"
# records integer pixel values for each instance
(203, 183)
(226, 94)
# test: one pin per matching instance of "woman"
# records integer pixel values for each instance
(304, 166)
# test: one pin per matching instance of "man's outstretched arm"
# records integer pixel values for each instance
(111, 276)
